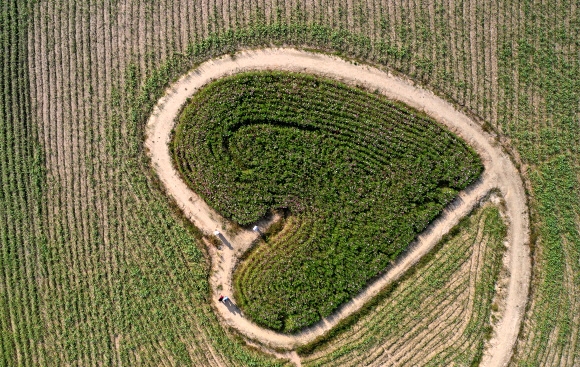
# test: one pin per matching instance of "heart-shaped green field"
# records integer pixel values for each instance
(358, 175)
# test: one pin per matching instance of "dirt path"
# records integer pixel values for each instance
(499, 173)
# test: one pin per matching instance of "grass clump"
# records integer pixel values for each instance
(360, 176)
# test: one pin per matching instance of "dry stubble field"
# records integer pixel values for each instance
(98, 268)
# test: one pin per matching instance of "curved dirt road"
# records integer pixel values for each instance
(499, 173)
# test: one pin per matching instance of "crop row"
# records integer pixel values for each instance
(513, 63)
(21, 195)
(362, 174)
(84, 242)
(439, 314)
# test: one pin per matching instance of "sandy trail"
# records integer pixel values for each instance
(500, 173)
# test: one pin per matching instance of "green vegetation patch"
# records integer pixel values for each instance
(358, 174)
(444, 305)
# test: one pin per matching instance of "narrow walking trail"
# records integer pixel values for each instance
(500, 173)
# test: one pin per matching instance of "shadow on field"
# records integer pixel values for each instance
(232, 307)
(225, 242)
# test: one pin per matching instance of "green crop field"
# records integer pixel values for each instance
(98, 266)
(438, 315)
(362, 176)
